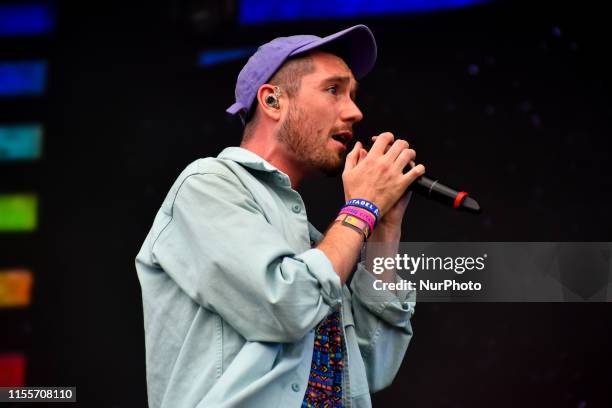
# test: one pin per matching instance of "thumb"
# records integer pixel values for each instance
(362, 155)
(352, 157)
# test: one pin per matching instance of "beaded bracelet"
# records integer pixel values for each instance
(366, 205)
(355, 223)
(360, 213)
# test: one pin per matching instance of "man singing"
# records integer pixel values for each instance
(245, 302)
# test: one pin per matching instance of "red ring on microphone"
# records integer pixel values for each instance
(460, 196)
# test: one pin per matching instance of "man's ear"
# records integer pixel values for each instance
(269, 101)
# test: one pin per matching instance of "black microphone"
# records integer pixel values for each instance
(438, 191)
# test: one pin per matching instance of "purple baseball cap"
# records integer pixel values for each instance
(355, 45)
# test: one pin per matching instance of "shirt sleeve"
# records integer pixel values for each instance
(382, 325)
(222, 252)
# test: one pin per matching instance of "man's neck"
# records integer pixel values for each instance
(276, 154)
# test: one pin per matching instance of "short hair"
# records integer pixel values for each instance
(288, 78)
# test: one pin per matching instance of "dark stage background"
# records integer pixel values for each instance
(509, 100)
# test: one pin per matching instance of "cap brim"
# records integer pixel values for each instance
(235, 108)
(356, 45)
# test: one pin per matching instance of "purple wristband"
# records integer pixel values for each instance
(365, 204)
(360, 213)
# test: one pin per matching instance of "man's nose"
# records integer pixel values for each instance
(351, 112)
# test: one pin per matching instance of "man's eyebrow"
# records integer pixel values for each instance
(343, 79)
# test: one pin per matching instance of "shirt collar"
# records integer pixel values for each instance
(251, 160)
(247, 158)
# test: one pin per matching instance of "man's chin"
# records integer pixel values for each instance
(333, 169)
(331, 166)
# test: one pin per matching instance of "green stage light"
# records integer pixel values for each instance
(18, 212)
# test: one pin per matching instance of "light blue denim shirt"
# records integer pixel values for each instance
(232, 291)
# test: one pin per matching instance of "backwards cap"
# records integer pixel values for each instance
(356, 45)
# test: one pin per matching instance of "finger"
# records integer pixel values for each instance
(414, 173)
(404, 159)
(382, 141)
(411, 164)
(362, 155)
(396, 149)
(386, 148)
(353, 156)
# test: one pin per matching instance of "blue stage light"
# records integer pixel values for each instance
(22, 78)
(262, 11)
(212, 57)
(26, 19)
(20, 142)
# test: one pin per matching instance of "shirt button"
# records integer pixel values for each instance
(295, 387)
(296, 208)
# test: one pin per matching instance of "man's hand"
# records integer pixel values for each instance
(389, 229)
(378, 176)
(390, 225)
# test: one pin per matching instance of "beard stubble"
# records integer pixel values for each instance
(298, 132)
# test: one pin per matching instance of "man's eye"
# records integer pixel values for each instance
(332, 90)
